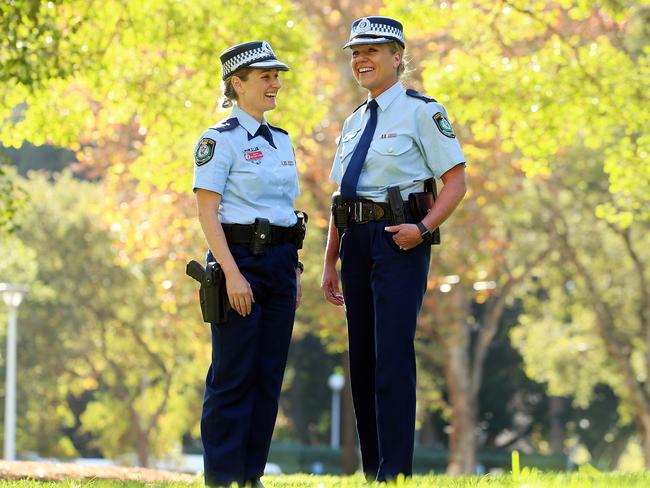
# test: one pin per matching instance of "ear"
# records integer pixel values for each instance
(397, 59)
(237, 84)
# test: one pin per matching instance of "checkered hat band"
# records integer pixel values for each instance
(380, 30)
(246, 58)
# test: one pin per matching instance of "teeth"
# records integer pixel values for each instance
(364, 70)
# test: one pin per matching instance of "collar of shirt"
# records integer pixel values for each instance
(247, 121)
(387, 97)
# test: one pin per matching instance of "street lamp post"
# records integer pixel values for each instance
(336, 382)
(12, 295)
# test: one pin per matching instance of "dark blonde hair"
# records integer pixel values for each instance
(403, 67)
(229, 93)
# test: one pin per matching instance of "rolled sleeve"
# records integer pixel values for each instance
(442, 152)
(213, 173)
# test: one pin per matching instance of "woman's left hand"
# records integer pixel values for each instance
(406, 236)
(299, 288)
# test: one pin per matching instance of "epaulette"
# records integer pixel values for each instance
(360, 106)
(412, 93)
(225, 125)
(278, 128)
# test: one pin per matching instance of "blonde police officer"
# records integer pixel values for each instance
(245, 182)
(397, 138)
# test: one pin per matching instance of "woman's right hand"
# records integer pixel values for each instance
(330, 286)
(240, 293)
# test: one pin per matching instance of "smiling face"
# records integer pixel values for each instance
(257, 93)
(374, 66)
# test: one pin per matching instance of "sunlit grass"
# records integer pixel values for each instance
(526, 478)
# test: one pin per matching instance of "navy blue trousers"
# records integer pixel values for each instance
(249, 354)
(383, 288)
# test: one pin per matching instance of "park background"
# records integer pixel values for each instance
(535, 331)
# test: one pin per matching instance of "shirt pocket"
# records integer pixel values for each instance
(393, 146)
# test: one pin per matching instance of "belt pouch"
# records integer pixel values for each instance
(261, 235)
(421, 202)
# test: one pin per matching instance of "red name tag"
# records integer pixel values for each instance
(253, 155)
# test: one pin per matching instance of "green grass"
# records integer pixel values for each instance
(586, 478)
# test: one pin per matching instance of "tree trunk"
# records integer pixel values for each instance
(143, 448)
(349, 461)
(462, 440)
(556, 407)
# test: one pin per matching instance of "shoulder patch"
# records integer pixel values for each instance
(444, 126)
(225, 125)
(204, 151)
(412, 93)
(278, 129)
(360, 106)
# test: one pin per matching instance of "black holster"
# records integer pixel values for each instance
(300, 229)
(396, 205)
(421, 202)
(340, 211)
(212, 293)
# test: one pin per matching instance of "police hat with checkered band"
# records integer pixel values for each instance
(375, 30)
(255, 54)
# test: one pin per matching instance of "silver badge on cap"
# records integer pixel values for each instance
(362, 26)
(266, 47)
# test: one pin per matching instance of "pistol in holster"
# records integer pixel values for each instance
(212, 293)
(396, 205)
(421, 203)
(300, 228)
(340, 212)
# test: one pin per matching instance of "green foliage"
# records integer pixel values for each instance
(12, 198)
(154, 65)
(105, 334)
(548, 76)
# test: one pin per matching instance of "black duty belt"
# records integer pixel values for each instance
(243, 234)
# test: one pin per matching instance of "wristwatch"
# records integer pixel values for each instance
(424, 232)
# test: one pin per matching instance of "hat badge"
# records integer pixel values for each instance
(362, 26)
(266, 47)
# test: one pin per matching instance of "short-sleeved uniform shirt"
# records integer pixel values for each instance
(253, 178)
(413, 141)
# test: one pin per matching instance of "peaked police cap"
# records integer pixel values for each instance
(375, 30)
(254, 54)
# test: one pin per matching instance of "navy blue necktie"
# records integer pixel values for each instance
(353, 171)
(264, 131)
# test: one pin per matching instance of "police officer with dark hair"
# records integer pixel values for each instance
(245, 181)
(390, 149)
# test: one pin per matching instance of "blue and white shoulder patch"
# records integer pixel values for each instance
(412, 93)
(226, 125)
(278, 129)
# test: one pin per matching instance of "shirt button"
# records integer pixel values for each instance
(390, 150)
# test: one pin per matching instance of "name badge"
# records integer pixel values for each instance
(253, 154)
(387, 136)
(350, 135)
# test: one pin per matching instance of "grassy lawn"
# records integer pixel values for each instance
(525, 479)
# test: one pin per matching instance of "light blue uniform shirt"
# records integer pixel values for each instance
(253, 178)
(409, 145)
